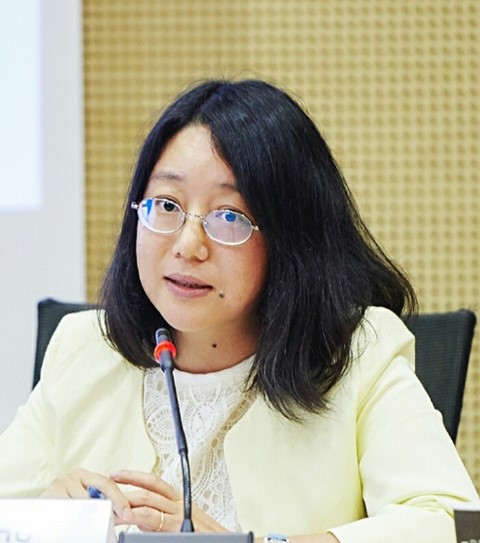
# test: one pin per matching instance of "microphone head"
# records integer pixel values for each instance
(162, 334)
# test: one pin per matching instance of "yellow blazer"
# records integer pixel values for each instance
(377, 467)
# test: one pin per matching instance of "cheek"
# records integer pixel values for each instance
(249, 283)
(140, 249)
(148, 256)
(260, 261)
(140, 242)
(141, 257)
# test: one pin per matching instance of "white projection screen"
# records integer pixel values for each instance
(20, 105)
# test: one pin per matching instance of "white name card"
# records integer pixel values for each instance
(56, 521)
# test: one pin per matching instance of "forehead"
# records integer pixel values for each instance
(194, 142)
(190, 158)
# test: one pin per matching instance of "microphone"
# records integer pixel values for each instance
(165, 353)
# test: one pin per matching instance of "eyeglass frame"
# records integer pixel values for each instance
(137, 205)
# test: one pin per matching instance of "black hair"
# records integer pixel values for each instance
(324, 268)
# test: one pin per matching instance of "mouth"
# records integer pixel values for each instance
(187, 284)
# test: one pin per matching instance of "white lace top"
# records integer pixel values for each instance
(210, 405)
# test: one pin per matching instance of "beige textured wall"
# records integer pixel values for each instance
(393, 84)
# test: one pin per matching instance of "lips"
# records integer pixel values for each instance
(187, 282)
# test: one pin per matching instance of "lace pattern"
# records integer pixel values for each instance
(210, 405)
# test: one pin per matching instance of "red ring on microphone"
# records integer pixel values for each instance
(162, 346)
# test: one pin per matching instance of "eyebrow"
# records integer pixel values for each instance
(167, 176)
(172, 176)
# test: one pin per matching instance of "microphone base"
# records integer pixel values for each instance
(185, 537)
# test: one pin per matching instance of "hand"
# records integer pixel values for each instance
(75, 483)
(157, 506)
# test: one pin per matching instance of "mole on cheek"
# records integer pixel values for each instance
(221, 295)
(214, 345)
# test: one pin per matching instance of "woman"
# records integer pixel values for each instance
(294, 372)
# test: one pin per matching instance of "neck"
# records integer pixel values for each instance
(205, 352)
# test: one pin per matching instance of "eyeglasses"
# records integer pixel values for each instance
(165, 216)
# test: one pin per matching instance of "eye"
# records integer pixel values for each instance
(230, 216)
(169, 205)
(165, 205)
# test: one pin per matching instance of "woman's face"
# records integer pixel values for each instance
(197, 284)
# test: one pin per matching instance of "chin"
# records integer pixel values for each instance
(183, 323)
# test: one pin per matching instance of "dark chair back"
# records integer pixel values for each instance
(443, 342)
(49, 314)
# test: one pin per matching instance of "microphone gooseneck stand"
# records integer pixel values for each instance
(165, 353)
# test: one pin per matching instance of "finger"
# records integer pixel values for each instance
(147, 481)
(151, 520)
(144, 497)
(109, 489)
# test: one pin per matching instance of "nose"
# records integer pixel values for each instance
(191, 241)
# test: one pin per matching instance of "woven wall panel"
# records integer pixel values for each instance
(393, 85)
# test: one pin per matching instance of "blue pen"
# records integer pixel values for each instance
(95, 493)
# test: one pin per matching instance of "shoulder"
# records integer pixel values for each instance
(79, 327)
(381, 344)
(79, 347)
(382, 334)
